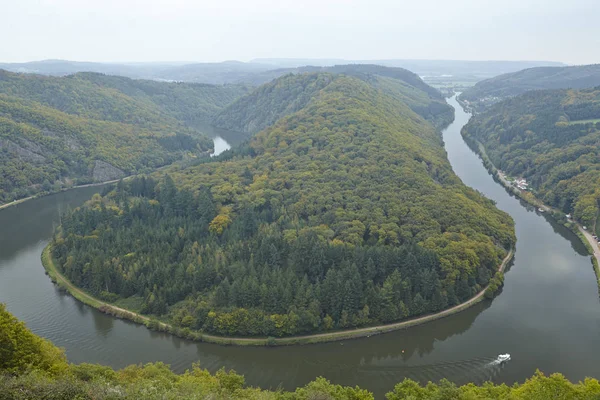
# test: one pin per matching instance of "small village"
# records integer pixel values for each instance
(519, 183)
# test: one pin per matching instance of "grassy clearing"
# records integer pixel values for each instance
(596, 269)
(133, 303)
(582, 237)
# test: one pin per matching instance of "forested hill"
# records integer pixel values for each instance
(121, 99)
(55, 132)
(490, 91)
(288, 94)
(32, 368)
(344, 213)
(551, 138)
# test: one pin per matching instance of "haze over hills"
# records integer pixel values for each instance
(549, 137)
(88, 127)
(496, 89)
(343, 212)
(247, 72)
(421, 67)
(211, 73)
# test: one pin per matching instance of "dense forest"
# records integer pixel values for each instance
(342, 214)
(551, 138)
(57, 132)
(286, 95)
(493, 90)
(32, 368)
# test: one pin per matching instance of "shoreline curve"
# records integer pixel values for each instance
(157, 325)
(584, 236)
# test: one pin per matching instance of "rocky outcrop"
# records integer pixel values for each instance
(23, 153)
(103, 171)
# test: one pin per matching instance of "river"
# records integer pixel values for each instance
(547, 317)
(223, 139)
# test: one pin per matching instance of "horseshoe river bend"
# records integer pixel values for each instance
(547, 316)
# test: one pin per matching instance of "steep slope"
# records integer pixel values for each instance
(496, 89)
(55, 132)
(189, 103)
(343, 213)
(551, 138)
(270, 102)
(42, 149)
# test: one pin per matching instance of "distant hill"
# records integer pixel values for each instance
(482, 69)
(60, 131)
(260, 71)
(211, 73)
(65, 67)
(492, 90)
(214, 73)
(549, 137)
(286, 95)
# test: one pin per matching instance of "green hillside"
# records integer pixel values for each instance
(286, 95)
(493, 90)
(56, 132)
(32, 368)
(120, 99)
(550, 138)
(344, 213)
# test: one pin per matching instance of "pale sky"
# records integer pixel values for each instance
(217, 30)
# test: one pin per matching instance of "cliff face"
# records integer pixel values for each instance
(103, 172)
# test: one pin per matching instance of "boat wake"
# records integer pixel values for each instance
(501, 359)
(477, 370)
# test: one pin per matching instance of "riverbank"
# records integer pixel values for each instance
(586, 237)
(37, 196)
(153, 324)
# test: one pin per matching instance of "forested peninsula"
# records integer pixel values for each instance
(343, 213)
(57, 132)
(32, 368)
(551, 138)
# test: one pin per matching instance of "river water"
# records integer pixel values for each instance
(547, 317)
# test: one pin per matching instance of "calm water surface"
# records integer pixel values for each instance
(223, 139)
(547, 317)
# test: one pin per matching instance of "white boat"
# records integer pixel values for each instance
(503, 358)
(540, 209)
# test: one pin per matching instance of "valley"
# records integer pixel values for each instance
(454, 347)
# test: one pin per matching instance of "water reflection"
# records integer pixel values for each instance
(220, 145)
(221, 137)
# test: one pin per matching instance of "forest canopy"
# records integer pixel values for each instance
(551, 138)
(57, 132)
(344, 213)
(290, 93)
